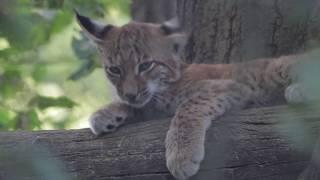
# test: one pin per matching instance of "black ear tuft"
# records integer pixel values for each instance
(94, 30)
(171, 26)
(166, 30)
(86, 23)
(176, 47)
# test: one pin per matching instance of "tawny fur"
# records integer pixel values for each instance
(193, 95)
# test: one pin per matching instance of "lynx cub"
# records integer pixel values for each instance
(142, 62)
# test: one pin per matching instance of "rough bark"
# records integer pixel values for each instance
(312, 172)
(260, 144)
(153, 10)
(240, 30)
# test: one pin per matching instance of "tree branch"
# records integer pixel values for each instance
(266, 143)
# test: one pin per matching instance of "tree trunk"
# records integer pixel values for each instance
(156, 11)
(255, 144)
(240, 30)
(228, 31)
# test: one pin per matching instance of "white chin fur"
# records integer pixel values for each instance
(153, 87)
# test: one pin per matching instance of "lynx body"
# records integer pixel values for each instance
(142, 61)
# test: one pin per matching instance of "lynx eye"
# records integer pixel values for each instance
(145, 66)
(114, 71)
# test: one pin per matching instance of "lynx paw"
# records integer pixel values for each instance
(295, 94)
(107, 120)
(183, 160)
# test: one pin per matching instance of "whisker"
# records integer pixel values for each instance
(157, 98)
(143, 93)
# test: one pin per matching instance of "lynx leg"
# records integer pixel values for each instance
(186, 136)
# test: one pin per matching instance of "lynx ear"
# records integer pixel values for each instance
(178, 41)
(171, 26)
(172, 29)
(94, 30)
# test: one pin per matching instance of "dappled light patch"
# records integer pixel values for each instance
(41, 47)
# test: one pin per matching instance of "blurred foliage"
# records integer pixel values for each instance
(31, 160)
(41, 52)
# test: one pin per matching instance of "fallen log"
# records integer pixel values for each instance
(273, 143)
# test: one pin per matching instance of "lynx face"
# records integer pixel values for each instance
(140, 59)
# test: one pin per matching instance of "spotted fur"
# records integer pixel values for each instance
(142, 61)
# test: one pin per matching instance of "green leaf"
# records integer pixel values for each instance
(39, 72)
(33, 118)
(55, 3)
(83, 71)
(6, 119)
(61, 20)
(86, 53)
(10, 82)
(43, 102)
(82, 47)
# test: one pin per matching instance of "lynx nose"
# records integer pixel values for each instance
(130, 97)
